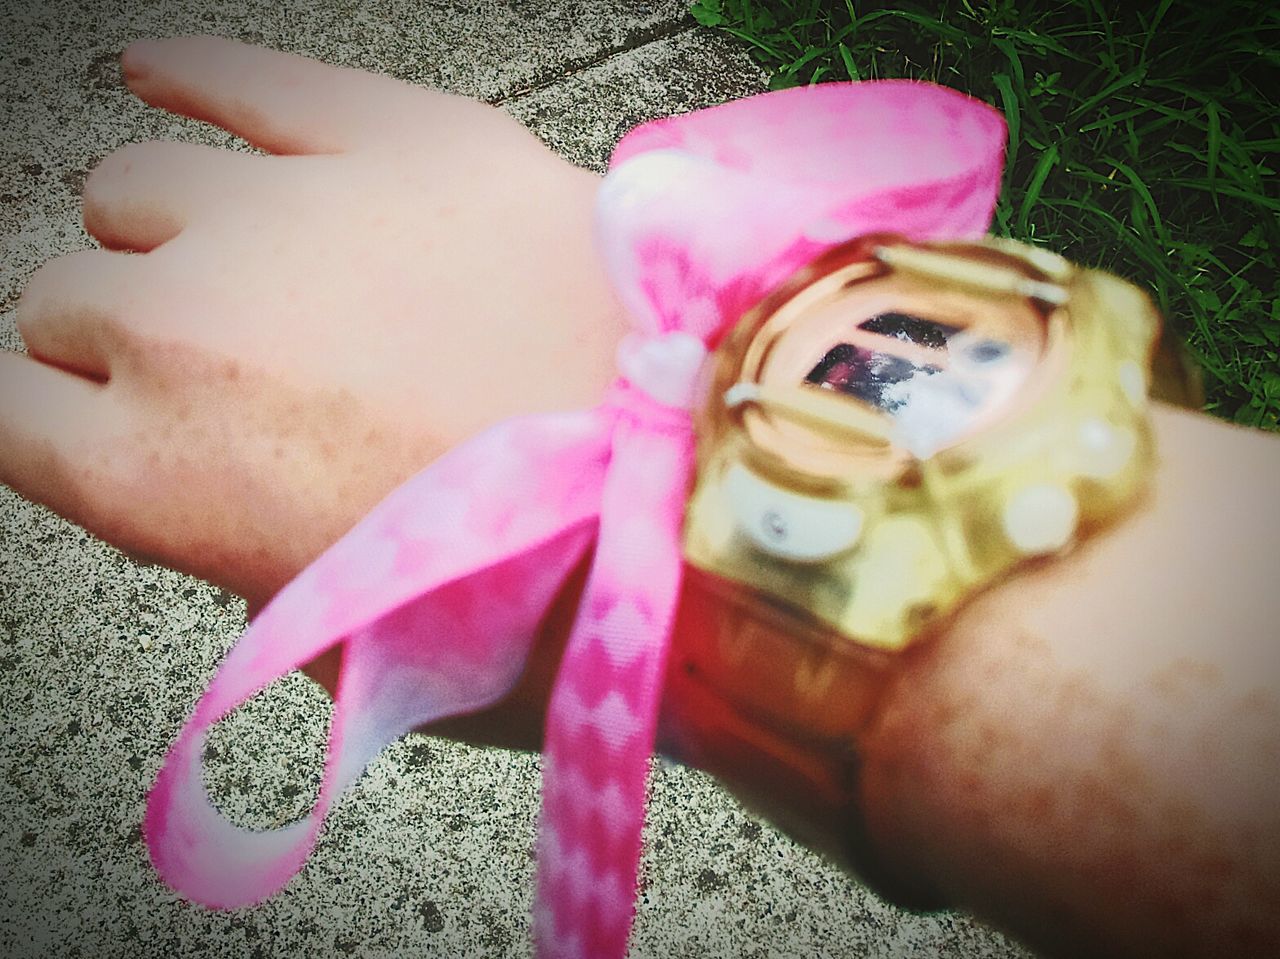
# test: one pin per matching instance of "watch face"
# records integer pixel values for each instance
(898, 424)
(878, 377)
(913, 364)
(933, 379)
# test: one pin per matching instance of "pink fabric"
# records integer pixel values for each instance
(436, 595)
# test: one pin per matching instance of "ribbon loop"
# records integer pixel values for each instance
(704, 212)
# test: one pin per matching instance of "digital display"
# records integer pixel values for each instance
(871, 375)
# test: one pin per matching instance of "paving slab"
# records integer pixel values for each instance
(101, 658)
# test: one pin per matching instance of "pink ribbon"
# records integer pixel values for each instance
(436, 596)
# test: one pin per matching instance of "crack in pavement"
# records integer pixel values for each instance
(636, 40)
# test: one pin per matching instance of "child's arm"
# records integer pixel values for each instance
(1088, 757)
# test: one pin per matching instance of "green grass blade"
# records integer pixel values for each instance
(1044, 166)
(1012, 116)
(1144, 193)
(850, 68)
(1130, 78)
(1215, 139)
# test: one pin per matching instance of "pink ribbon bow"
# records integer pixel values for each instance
(435, 597)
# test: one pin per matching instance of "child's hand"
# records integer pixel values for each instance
(295, 334)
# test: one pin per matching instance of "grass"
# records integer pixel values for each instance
(1143, 139)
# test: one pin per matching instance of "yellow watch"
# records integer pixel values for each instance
(895, 428)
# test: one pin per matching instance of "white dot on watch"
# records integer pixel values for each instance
(1104, 449)
(788, 524)
(1040, 518)
(1133, 383)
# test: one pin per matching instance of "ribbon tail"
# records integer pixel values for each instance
(435, 596)
(603, 712)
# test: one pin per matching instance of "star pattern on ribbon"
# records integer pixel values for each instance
(435, 597)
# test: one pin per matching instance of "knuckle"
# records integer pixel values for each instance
(124, 160)
(113, 178)
(114, 168)
(78, 297)
(129, 168)
(37, 297)
(54, 276)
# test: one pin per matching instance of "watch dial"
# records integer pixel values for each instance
(907, 361)
(933, 379)
(872, 375)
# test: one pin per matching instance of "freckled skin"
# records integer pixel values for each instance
(1051, 748)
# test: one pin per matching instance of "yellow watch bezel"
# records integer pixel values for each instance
(915, 534)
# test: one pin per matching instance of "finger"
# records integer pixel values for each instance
(144, 194)
(71, 315)
(278, 101)
(51, 423)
